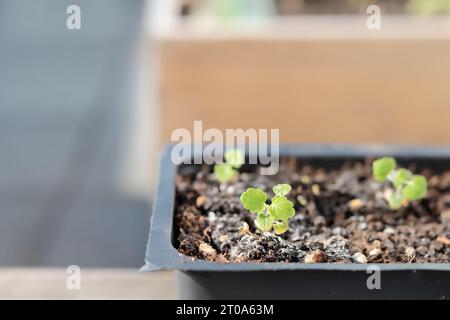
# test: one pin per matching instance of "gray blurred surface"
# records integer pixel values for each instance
(63, 113)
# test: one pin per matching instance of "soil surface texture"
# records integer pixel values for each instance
(341, 217)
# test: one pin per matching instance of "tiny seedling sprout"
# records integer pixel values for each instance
(234, 159)
(407, 187)
(276, 214)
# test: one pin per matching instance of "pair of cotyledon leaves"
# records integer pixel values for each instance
(234, 159)
(407, 186)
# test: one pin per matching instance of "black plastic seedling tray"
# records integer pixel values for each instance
(199, 279)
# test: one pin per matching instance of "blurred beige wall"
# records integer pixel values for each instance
(341, 86)
(349, 91)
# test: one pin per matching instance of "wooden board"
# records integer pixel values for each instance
(43, 283)
(341, 89)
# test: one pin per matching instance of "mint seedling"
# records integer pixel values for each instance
(407, 187)
(234, 159)
(276, 214)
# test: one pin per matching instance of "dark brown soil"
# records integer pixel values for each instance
(341, 217)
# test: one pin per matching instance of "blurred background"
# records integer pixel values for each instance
(84, 113)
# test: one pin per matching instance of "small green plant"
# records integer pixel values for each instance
(276, 214)
(407, 187)
(234, 159)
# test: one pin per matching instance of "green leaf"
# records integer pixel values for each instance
(235, 158)
(280, 226)
(395, 200)
(416, 188)
(274, 216)
(264, 222)
(382, 167)
(282, 189)
(224, 172)
(254, 200)
(400, 177)
(281, 208)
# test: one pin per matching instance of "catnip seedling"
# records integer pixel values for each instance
(276, 214)
(234, 159)
(406, 186)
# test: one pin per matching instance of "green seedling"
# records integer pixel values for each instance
(234, 159)
(276, 214)
(406, 186)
